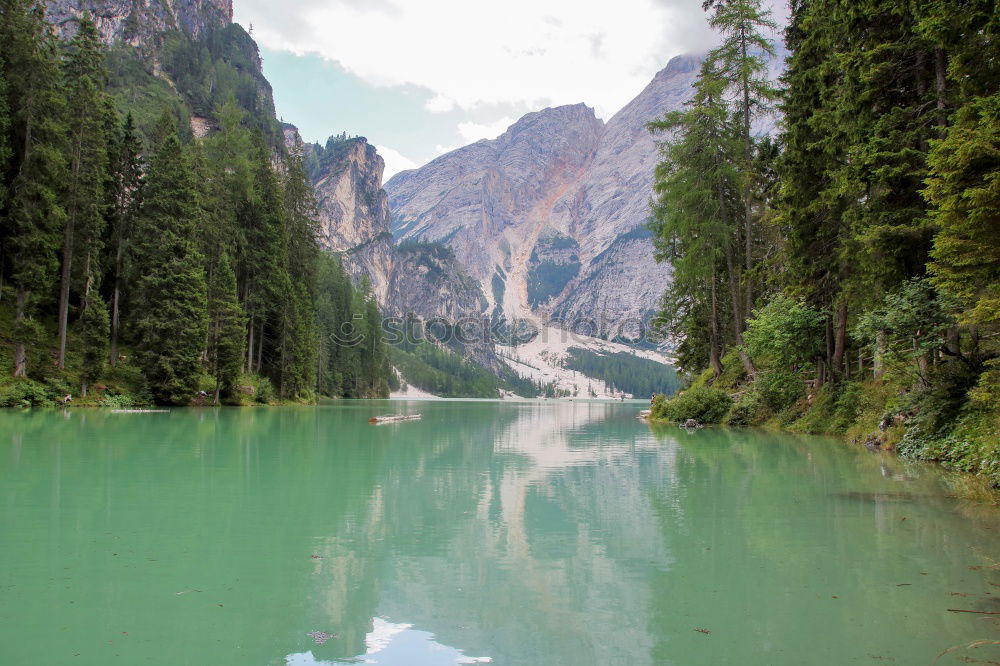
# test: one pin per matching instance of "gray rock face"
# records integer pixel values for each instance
(557, 173)
(353, 208)
(422, 279)
(141, 23)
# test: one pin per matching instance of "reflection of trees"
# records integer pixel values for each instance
(557, 533)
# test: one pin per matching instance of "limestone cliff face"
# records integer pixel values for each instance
(353, 208)
(416, 278)
(491, 201)
(550, 216)
(142, 22)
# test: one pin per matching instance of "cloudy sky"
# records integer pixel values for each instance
(420, 77)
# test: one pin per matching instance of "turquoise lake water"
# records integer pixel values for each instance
(487, 532)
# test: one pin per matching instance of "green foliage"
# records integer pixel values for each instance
(117, 401)
(779, 388)
(964, 188)
(786, 333)
(173, 322)
(206, 256)
(908, 325)
(705, 405)
(440, 371)
(625, 372)
(353, 356)
(22, 392)
(227, 323)
(95, 330)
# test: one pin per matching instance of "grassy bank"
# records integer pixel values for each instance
(119, 387)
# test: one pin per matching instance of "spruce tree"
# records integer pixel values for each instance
(5, 150)
(85, 76)
(37, 169)
(742, 64)
(227, 326)
(261, 257)
(124, 196)
(171, 310)
(94, 327)
(696, 215)
(964, 189)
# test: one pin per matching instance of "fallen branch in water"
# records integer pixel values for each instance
(960, 610)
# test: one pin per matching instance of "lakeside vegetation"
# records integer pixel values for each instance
(845, 277)
(141, 264)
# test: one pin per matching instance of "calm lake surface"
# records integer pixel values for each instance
(489, 532)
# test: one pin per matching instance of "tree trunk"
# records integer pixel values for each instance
(249, 365)
(940, 71)
(115, 323)
(713, 341)
(878, 364)
(20, 352)
(734, 292)
(67, 265)
(260, 347)
(840, 338)
(747, 186)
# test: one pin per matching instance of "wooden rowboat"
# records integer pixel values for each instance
(378, 420)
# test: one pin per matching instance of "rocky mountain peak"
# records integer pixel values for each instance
(550, 216)
(141, 23)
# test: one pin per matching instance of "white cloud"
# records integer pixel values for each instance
(471, 53)
(473, 132)
(394, 162)
(440, 104)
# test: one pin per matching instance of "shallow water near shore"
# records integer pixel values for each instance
(487, 532)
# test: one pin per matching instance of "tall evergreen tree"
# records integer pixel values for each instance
(85, 76)
(298, 336)
(5, 150)
(172, 318)
(964, 189)
(262, 254)
(227, 326)
(124, 196)
(34, 215)
(697, 213)
(95, 329)
(742, 63)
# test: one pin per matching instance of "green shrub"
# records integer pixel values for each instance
(263, 390)
(847, 408)
(779, 388)
(703, 404)
(121, 401)
(747, 410)
(26, 393)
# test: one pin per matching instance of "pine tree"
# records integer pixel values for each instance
(37, 169)
(262, 255)
(94, 327)
(696, 214)
(298, 342)
(170, 315)
(742, 64)
(124, 196)
(85, 76)
(227, 326)
(964, 189)
(5, 150)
